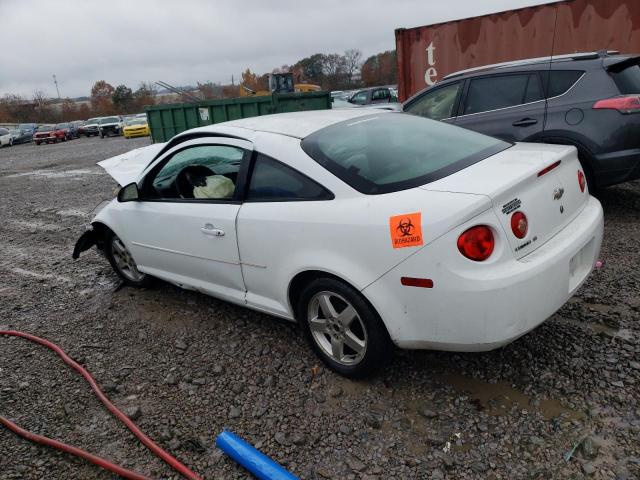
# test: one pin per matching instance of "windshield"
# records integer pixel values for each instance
(45, 128)
(25, 126)
(62, 125)
(92, 120)
(109, 120)
(15, 131)
(137, 121)
(395, 151)
(4, 131)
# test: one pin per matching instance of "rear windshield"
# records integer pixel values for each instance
(396, 151)
(628, 79)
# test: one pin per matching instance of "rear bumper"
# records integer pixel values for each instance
(474, 307)
(617, 167)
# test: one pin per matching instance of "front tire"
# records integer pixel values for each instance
(122, 261)
(343, 329)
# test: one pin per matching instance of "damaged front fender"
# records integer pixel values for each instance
(87, 240)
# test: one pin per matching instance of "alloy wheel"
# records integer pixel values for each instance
(336, 327)
(124, 261)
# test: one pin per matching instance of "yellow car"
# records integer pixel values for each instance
(138, 127)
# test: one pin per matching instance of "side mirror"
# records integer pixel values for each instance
(129, 193)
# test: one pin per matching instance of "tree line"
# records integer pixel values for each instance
(331, 71)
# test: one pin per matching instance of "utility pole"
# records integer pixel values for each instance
(232, 84)
(55, 80)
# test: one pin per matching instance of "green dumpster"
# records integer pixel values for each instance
(168, 120)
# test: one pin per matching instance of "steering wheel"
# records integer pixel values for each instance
(191, 177)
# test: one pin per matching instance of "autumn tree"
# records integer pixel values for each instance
(380, 69)
(101, 98)
(144, 95)
(254, 82)
(311, 69)
(352, 62)
(122, 99)
(68, 110)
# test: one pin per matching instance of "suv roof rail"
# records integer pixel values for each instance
(532, 61)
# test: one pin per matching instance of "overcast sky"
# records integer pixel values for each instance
(185, 41)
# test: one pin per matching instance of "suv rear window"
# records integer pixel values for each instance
(396, 151)
(628, 79)
(557, 82)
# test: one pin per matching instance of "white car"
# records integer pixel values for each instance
(368, 228)
(6, 139)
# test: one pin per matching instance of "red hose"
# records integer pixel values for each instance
(150, 444)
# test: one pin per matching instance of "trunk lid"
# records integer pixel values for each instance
(511, 180)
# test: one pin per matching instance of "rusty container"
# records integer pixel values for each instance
(426, 54)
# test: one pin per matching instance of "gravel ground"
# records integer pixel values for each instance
(186, 365)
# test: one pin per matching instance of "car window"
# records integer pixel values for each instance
(359, 98)
(380, 94)
(628, 79)
(198, 172)
(436, 104)
(557, 82)
(494, 92)
(534, 89)
(274, 181)
(388, 152)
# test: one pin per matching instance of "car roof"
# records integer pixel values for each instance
(576, 60)
(293, 124)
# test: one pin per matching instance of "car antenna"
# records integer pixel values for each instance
(548, 83)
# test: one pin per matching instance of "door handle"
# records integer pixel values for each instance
(525, 122)
(209, 229)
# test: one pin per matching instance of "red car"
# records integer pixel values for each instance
(49, 133)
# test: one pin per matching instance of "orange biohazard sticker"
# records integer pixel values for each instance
(406, 230)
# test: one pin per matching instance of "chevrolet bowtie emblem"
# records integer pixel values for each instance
(557, 193)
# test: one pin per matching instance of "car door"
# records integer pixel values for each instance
(507, 106)
(360, 98)
(277, 193)
(437, 103)
(183, 228)
(380, 95)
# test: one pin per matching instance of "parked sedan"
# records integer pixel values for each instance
(367, 228)
(49, 134)
(69, 130)
(6, 139)
(21, 136)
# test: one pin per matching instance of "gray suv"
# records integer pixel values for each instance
(589, 100)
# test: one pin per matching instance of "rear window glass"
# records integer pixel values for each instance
(557, 82)
(628, 80)
(396, 151)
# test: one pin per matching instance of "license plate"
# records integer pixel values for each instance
(580, 265)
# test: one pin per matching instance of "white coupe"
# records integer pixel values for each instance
(368, 228)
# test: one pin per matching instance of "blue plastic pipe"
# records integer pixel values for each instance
(256, 462)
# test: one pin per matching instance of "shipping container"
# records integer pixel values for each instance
(168, 120)
(427, 54)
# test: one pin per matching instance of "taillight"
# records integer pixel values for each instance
(546, 170)
(519, 224)
(476, 243)
(624, 104)
(582, 181)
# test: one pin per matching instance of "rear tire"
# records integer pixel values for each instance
(343, 329)
(122, 261)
